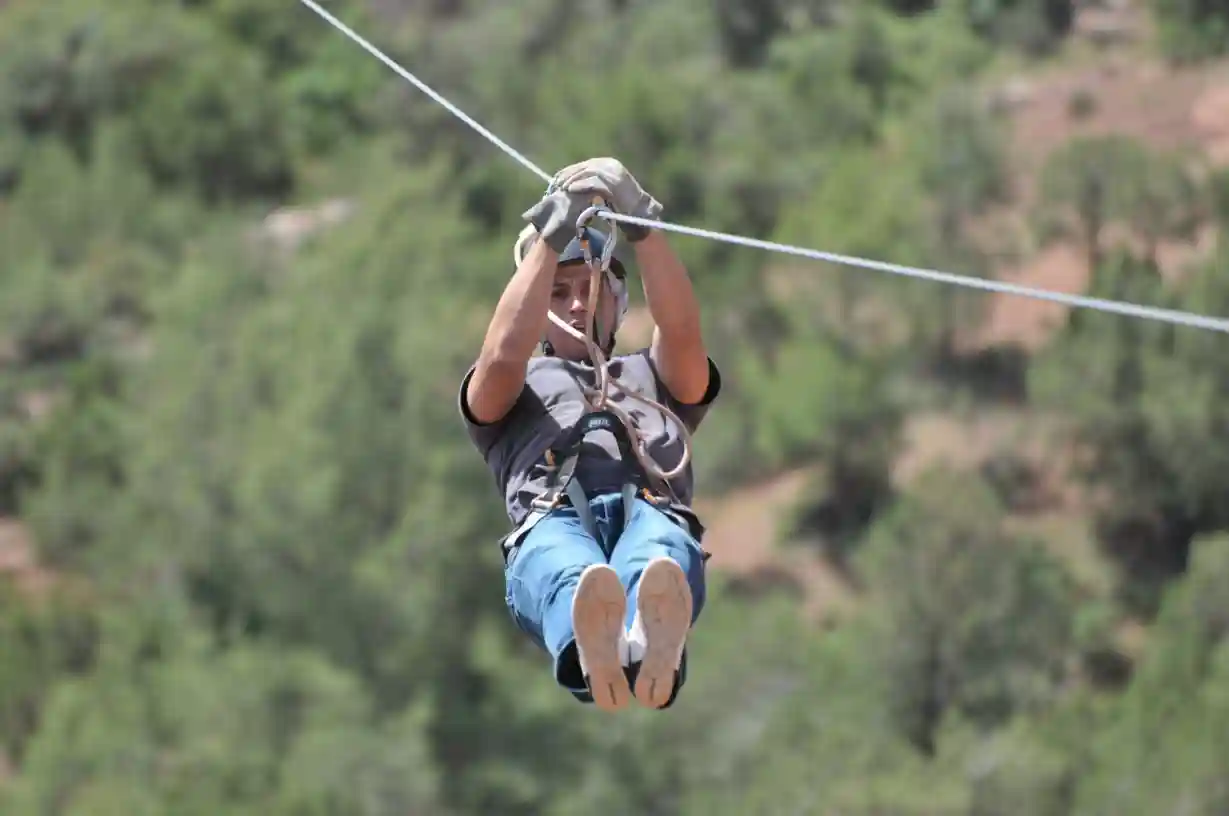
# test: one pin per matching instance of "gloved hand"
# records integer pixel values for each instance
(608, 178)
(555, 217)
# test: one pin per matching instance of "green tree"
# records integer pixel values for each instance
(1036, 26)
(1192, 29)
(1153, 458)
(1165, 747)
(196, 107)
(1094, 183)
(976, 621)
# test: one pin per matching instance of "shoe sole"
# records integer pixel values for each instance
(599, 610)
(664, 603)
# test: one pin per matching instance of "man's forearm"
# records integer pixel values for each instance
(520, 316)
(667, 290)
(678, 346)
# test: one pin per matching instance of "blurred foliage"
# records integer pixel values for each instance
(1192, 30)
(243, 266)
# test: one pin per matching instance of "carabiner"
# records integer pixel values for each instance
(587, 216)
(582, 223)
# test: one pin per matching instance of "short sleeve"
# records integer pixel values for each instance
(692, 414)
(485, 435)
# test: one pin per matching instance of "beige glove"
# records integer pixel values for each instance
(555, 216)
(608, 178)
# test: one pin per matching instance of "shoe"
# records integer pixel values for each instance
(599, 610)
(659, 631)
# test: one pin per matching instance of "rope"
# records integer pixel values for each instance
(422, 86)
(1174, 316)
(599, 397)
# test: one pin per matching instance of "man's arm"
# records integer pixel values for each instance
(515, 329)
(678, 348)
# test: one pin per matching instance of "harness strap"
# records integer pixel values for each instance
(560, 465)
(580, 501)
(629, 501)
(600, 396)
(561, 474)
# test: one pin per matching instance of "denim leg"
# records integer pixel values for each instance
(541, 577)
(650, 533)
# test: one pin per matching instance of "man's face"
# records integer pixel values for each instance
(570, 302)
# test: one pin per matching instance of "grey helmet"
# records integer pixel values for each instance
(616, 274)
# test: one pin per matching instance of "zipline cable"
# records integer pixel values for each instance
(422, 86)
(1173, 316)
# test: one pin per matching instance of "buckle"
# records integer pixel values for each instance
(546, 505)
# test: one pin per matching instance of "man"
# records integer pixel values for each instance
(608, 579)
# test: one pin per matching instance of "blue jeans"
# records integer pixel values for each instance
(543, 569)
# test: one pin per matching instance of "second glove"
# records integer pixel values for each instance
(555, 217)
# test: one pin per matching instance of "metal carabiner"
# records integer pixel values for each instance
(582, 223)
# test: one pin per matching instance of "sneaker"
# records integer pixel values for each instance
(599, 610)
(659, 631)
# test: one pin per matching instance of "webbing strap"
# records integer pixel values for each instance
(580, 501)
(629, 501)
(575, 492)
(563, 481)
(562, 458)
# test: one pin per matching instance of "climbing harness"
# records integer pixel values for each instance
(560, 462)
(1174, 316)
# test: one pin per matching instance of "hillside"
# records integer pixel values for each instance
(968, 551)
(1131, 91)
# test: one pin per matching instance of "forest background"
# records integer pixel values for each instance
(970, 550)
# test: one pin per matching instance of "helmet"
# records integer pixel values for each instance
(616, 274)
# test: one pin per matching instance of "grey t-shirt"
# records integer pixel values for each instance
(551, 403)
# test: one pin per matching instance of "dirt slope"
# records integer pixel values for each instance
(17, 558)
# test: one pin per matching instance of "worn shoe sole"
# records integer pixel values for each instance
(664, 605)
(598, 612)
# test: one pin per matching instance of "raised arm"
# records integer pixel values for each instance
(678, 348)
(511, 336)
(521, 315)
